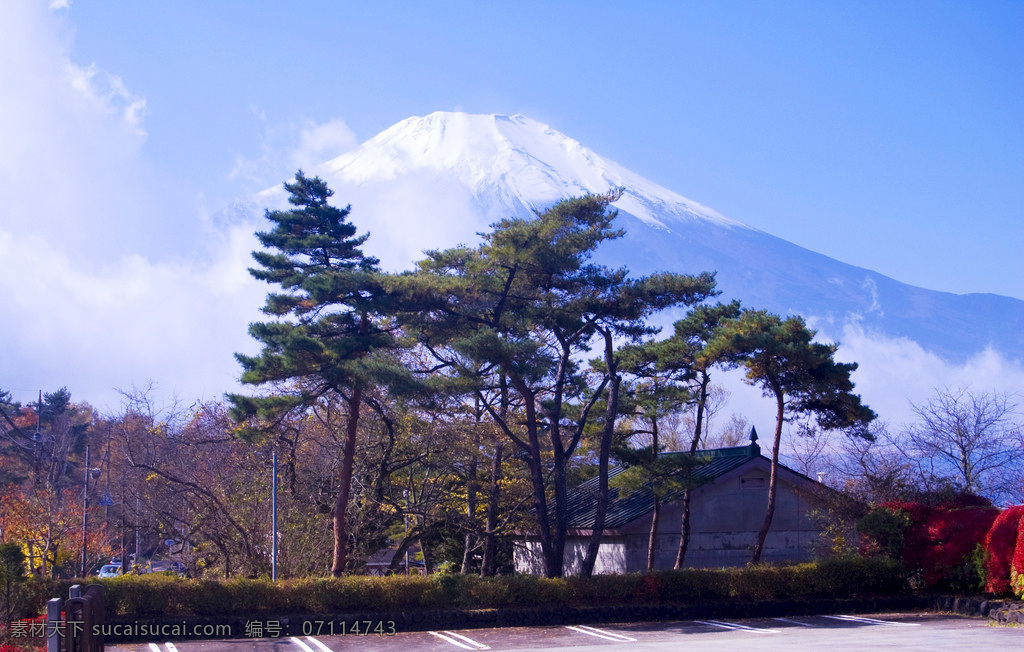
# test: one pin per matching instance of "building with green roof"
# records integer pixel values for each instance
(727, 508)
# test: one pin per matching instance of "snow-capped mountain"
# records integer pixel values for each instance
(513, 162)
(436, 181)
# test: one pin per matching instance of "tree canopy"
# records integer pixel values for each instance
(781, 357)
(331, 335)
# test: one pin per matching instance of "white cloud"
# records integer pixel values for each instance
(287, 147)
(109, 278)
(320, 142)
(423, 212)
(126, 322)
(71, 165)
(893, 372)
(107, 93)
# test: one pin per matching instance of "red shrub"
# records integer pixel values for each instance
(940, 538)
(954, 534)
(1000, 542)
(1017, 565)
(915, 535)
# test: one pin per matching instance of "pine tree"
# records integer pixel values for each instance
(673, 373)
(802, 376)
(524, 306)
(330, 335)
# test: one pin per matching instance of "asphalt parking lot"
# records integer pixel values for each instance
(833, 633)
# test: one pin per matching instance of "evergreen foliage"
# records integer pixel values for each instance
(419, 596)
(801, 375)
(524, 306)
(12, 573)
(332, 335)
(330, 305)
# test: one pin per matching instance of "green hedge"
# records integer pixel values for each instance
(155, 594)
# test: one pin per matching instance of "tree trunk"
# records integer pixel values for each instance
(652, 537)
(560, 483)
(398, 559)
(472, 488)
(763, 534)
(493, 496)
(559, 479)
(540, 502)
(684, 524)
(340, 511)
(494, 491)
(611, 411)
(428, 559)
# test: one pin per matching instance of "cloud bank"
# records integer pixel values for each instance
(111, 276)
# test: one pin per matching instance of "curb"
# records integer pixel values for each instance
(1004, 612)
(410, 621)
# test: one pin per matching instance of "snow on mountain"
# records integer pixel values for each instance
(436, 181)
(510, 161)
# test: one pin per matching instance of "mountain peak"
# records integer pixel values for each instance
(529, 164)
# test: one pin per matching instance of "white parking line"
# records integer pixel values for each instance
(479, 646)
(171, 647)
(872, 621)
(737, 626)
(793, 622)
(154, 647)
(600, 633)
(305, 648)
(319, 644)
(472, 645)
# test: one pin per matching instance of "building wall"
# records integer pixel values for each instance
(611, 556)
(726, 515)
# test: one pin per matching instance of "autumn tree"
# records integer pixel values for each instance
(801, 375)
(48, 524)
(329, 336)
(42, 457)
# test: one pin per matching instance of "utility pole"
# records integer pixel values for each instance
(273, 518)
(405, 494)
(85, 514)
(138, 558)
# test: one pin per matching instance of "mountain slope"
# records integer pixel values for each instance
(438, 180)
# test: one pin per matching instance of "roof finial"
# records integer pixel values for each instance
(753, 435)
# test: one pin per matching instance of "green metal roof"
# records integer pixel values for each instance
(624, 507)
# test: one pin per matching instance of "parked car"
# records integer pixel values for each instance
(110, 570)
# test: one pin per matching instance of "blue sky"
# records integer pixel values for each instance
(855, 129)
(889, 135)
